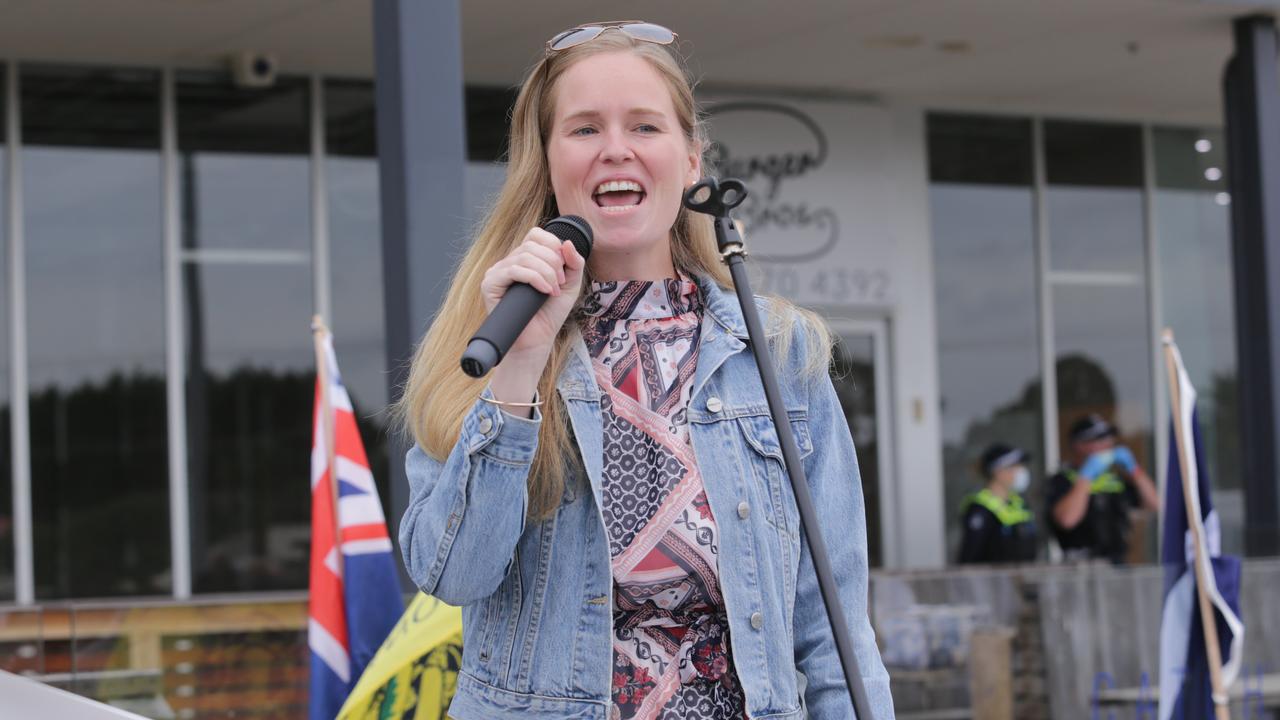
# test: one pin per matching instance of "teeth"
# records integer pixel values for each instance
(619, 186)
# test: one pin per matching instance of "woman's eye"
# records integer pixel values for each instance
(648, 129)
(585, 130)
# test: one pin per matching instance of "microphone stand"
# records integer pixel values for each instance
(717, 198)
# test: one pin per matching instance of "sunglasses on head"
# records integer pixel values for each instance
(634, 29)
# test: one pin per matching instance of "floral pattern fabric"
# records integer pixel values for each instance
(671, 651)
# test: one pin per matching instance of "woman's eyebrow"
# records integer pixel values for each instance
(595, 114)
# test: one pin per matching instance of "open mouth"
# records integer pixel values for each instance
(618, 195)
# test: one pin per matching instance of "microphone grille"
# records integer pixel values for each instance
(574, 229)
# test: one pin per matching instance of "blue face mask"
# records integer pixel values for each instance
(1021, 480)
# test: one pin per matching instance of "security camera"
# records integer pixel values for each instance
(253, 69)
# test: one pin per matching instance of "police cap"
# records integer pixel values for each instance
(999, 456)
(1091, 427)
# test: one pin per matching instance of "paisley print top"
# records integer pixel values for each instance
(671, 650)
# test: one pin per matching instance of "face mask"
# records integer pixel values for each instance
(1021, 480)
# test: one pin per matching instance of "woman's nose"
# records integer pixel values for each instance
(616, 148)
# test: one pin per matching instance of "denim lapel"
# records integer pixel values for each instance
(577, 387)
(722, 334)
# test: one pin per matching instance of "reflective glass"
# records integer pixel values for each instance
(355, 263)
(853, 372)
(1101, 327)
(983, 219)
(488, 122)
(247, 308)
(249, 393)
(7, 589)
(246, 169)
(1193, 248)
(1094, 197)
(95, 318)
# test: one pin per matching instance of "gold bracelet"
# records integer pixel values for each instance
(536, 402)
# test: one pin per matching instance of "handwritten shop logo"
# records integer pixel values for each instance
(770, 146)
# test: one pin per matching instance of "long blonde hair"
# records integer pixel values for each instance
(437, 394)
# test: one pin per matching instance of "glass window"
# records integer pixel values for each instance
(1193, 249)
(488, 122)
(1094, 199)
(853, 374)
(1097, 272)
(355, 263)
(246, 170)
(95, 299)
(247, 295)
(7, 588)
(983, 215)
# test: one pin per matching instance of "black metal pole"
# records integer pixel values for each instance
(1252, 108)
(421, 160)
(731, 248)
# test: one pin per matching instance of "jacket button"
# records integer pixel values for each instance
(486, 425)
(714, 404)
(744, 510)
(757, 621)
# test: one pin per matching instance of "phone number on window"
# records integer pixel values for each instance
(838, 286)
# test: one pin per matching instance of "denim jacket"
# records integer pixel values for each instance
(537, 595)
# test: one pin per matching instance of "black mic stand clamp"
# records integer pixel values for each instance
(717, 198)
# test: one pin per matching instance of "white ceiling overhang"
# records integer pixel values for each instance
(1138, 59)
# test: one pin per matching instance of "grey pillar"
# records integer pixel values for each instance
(421, 159)
(1252, 97)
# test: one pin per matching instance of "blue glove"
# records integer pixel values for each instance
(1124, 456)
(1098, 463)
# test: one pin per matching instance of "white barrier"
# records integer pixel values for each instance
(23, 698)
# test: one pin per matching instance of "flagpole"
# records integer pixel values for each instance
(1207, 620)
(318, 333)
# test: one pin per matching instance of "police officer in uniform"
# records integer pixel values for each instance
(1090, 499)
(998, 525)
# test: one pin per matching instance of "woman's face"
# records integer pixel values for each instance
(619, 158)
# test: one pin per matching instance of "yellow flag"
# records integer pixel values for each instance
(414, 673)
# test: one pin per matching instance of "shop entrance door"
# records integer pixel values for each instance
(860, 373)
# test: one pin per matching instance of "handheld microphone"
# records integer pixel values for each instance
(518, 306)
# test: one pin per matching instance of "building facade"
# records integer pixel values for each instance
(993, 269)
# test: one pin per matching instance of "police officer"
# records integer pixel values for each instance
(998, 525)
(1090, 499)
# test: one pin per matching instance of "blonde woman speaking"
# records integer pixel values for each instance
(609, 505)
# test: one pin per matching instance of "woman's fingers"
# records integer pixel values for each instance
(547, 263)
(550, 255)
(530, 276)
(501, 276)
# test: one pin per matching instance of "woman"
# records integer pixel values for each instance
(996, 523)
(609, 505)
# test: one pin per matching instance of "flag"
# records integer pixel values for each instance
(415, 672)
(1185, 687)
(355, 593)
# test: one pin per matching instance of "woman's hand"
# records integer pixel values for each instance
(553, 267)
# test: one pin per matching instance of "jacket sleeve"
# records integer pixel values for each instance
(835, 483)
(975, 539)
(467, 512)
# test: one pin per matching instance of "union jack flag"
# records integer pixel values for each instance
(355, 594)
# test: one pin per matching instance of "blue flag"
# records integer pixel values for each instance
(1185, 685)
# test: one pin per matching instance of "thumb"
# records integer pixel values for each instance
(573, 262)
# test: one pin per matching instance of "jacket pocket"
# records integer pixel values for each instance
(768, 468)
(769, 465)
(500, 613)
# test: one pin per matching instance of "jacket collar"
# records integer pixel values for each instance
(722, 307)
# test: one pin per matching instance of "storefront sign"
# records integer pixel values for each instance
(819, 205)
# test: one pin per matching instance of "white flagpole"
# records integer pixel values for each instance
(320, 333)
(1207, 620)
